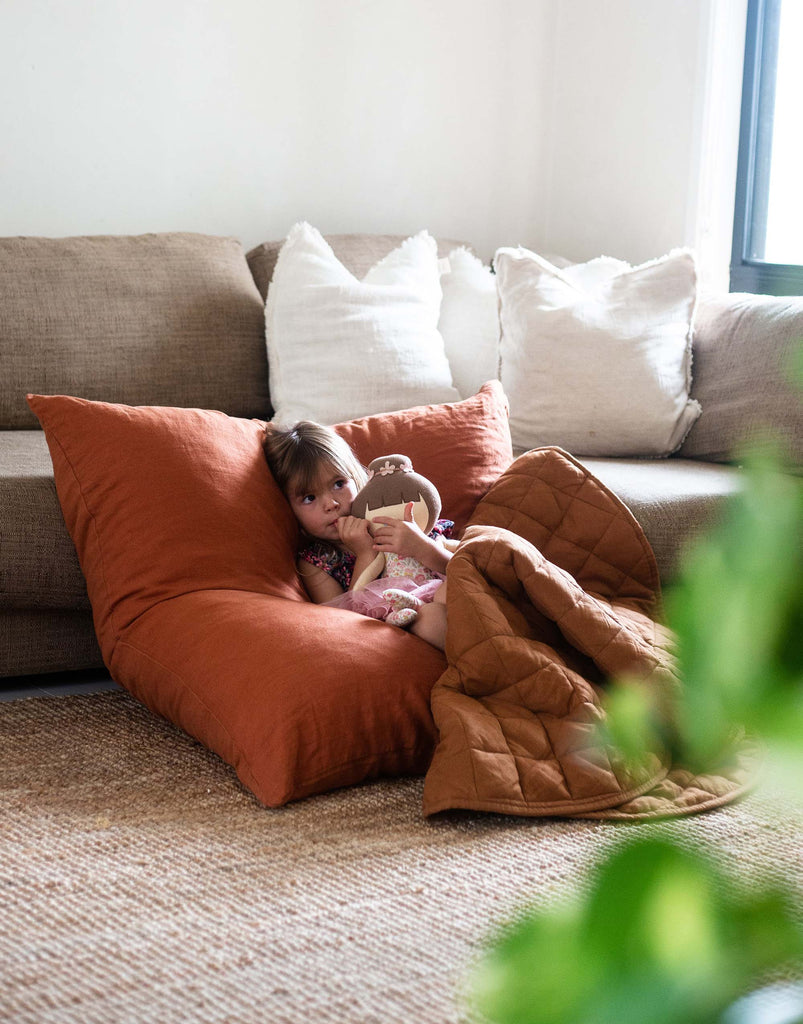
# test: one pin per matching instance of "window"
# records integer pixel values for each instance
(768, 223)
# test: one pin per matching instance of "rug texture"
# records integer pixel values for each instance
(142, 883)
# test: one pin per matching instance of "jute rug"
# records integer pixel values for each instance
(139, 882)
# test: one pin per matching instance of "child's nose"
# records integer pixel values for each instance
(333, 502)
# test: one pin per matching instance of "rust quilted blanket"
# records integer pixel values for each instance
(553, 592)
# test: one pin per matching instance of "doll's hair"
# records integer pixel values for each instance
(392, 481)
(298, 455)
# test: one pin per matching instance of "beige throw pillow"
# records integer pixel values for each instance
(340, 348)
(596, 357)
(469, 321)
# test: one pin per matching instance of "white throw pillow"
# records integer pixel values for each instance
(596, 357)
(469, 322)
(339, 348)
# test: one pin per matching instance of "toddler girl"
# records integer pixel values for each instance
(320, 476)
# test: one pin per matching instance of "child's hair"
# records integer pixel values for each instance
(297, 454)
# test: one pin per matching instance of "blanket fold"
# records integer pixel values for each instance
(553, 592)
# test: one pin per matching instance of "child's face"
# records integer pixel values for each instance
(319, 509)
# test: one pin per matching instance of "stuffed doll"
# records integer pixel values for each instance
(392, 487)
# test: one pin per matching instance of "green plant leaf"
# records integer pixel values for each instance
(661, 937)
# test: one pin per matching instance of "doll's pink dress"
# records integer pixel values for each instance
(405, 574)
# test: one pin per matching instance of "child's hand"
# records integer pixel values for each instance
(355, 535)
(403, 537)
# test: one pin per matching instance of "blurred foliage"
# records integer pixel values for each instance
(663, 936)
(738, 615)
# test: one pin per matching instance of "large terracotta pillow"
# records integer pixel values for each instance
(461, 446)
(188, 549)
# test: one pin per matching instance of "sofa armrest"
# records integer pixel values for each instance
(744, 346)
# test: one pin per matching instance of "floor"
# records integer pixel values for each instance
(56, 684)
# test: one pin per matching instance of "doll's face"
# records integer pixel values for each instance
(420, 513)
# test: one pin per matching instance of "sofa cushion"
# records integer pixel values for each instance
(357, 252)
(469, 321)
(340, 346)
(188, 549)
(744, 347)
(673, 499)
(38, 564)
(461, 446)
(596, 357)
(169, 319)
(47, 640)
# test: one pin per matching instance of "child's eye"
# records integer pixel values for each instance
(340, 484)
(308, 499)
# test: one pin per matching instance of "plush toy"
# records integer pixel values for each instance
(392, 486)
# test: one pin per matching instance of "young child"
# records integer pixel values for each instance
(320, 476)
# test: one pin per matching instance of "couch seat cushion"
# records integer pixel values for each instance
(673, 499)
(38, 564)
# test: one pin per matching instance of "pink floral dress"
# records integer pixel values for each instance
(400, 574)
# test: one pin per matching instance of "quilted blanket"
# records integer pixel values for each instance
(553, 592)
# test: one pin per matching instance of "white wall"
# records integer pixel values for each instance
(644, 129)
(241, 117)
(570, 126)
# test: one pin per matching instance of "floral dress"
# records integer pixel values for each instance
(405, 574)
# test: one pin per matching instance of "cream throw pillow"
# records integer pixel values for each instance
(339, 348)
(469, 321)
(596, 357)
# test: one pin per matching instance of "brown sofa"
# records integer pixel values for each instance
(177, 319)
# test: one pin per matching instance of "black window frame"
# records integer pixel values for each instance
(747, 273)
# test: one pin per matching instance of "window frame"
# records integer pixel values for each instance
(748, 274)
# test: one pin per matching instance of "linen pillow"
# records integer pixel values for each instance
(462, 447)
(188, 549)
(357, 252)
(469, 321)
(596, 357)
(158, 319)
(340, 347)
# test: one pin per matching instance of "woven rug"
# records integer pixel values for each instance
(139, 882)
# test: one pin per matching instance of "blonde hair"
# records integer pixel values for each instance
(297, 456)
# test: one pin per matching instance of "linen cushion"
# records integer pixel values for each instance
(38, 564)
(674, 500)
(469, 321)
(33, 641)
(163, 319)
(462, 447)
(596, 357)
(744, 348)
(338, 346)
(188, 549)
(357, 252)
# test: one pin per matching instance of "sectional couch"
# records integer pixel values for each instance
(178, 320)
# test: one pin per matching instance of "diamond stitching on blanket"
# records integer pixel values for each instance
(628, 573)
(552, 592)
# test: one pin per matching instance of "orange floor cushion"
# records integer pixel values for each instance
(188, 549)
